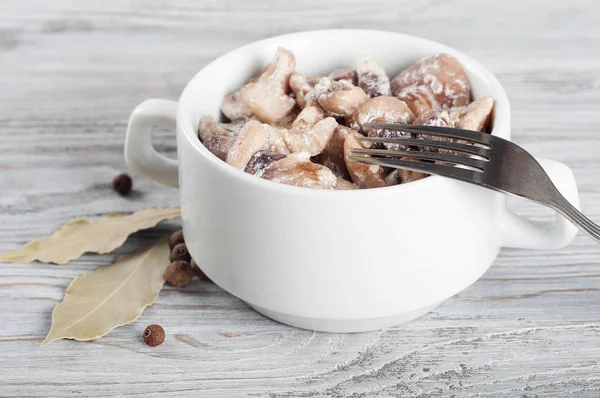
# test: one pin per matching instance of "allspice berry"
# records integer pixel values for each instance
(176, 238)
(154, 335)
(122, 184)
(201, 275)
(179, 273)
(180, 252)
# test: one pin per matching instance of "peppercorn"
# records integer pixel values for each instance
(176, 238)
(180, 252)
(201, 275)
(179, 273)
(122, 184)
(154, 335)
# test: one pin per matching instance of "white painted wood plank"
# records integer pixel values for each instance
(71, 71)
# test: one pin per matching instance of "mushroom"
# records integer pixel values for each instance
(310, 132)
(388, 133)
(332, 156)
(344, 185)
(266, 98)
(439, 118)
(311, 114)
(402, 176)
(251, 139)
(383, 109)
(455, 114)
(301, 86)
(274, 140)
(343, 74)
(372, 78)
(261, 160)
(234, 107)
(208, 127)
(410, 175)
(255, 137)
(310, 138)
(288, 120)
(477, 114)
(434, 117)
(436, 81)
(296, 169)
(336, 97)
(393, 178)
(342, 102)
(219, 145)
(363, 175)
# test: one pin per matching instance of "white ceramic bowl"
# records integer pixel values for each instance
(339, 261)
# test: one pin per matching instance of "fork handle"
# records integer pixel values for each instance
(519, 232)
(578, 218)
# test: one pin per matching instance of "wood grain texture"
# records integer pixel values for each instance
(70, 73)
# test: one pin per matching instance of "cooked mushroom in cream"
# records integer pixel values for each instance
(300, 130)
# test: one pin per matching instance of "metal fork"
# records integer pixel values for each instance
(488, 161)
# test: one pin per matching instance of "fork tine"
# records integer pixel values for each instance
(453, 146)
(460, 134)
(462, 160)
(429, 168)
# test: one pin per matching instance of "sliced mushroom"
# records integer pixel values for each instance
(393, 178)
(261, 160)
(410, 175)
(456, 113)
(326, 91)
(251, 139)
(255, 137)
(434, 117)
(301, 86)
(266, 106)
(274, 140)
(344, 185)
(363, 175)
(344, 74)
(477, 114)
(208, 127)
(437, 81)
(343, 102)
(372, 78)
(439, 118)
(233, 107)
(288, 120)
(311, 114)
(310, 138)
(325, 85)
(332, 156)
(298, 170)
(402, 176)
(266, 98)
(277, 74)
(387, 133)
(384, 109)
(219, 145)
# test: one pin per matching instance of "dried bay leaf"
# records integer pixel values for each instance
(110, 296)
(81, 236)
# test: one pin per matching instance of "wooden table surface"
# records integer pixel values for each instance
(70, 73)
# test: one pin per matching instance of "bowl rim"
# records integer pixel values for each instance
(501, 122)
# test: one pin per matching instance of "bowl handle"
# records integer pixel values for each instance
(521, 233)
(140, 154)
